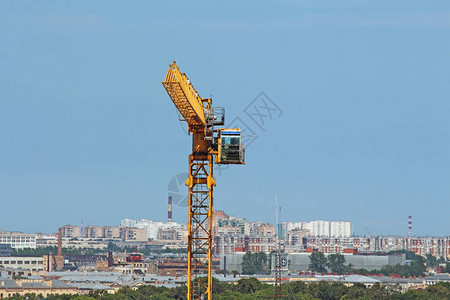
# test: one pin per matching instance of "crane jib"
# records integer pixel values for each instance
(185, 98)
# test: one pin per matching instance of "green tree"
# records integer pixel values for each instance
(442, 290)
(248, 285)
(336, 263)
(409, 254)
(357, 291)
(378, 291)
(417, 266)
(431, 261)
(447, 267)
(326, 291)
(318, 262)
(297, 286)
(253, 263)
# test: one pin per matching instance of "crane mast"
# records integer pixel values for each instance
(207, 142)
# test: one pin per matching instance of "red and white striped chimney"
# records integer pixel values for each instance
(410, 226)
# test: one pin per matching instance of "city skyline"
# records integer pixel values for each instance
(128, 223)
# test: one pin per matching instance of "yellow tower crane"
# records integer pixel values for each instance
(207, 142)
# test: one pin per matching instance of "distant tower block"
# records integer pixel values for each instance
(169, 212)
(410, 226)
(82, 228)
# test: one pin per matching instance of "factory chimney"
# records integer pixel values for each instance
(169, 213)
(59, 242)
(410, 226)
(110, 259)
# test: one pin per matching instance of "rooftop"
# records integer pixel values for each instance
(15, 233)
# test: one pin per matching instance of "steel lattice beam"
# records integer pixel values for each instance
(200, 227)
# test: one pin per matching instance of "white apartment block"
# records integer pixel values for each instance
(340, 229)
(295, 226)
(321, 228)
(18, 240)
(152, 227)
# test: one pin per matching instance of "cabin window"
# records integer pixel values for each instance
(231, 151)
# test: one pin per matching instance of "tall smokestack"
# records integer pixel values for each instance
(169, 213)
(59, 242)
(410, 226)
(224, 266)
(110, 259)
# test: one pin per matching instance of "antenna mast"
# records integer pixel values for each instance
(277, 268)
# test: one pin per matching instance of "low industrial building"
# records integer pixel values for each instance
(298, 262)
(86, 288)
(368, 280)
(114, 280)
(174, 267)
(45, 287)
(29, 263)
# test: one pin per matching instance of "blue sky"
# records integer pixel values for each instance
(88, 131)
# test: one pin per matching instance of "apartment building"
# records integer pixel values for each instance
(224, 244)
(321, 228)
(18, 240)
(153, 227)
(436, 246)
(130, 234)
(69, 231)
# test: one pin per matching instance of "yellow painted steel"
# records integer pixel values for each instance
(185, 98)
(200, 181)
